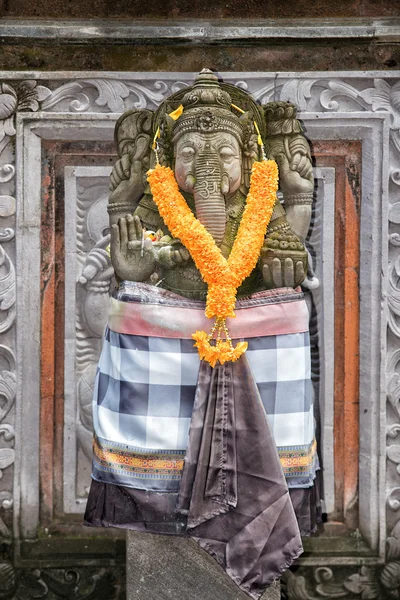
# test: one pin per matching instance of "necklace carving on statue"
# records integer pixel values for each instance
(223, 276)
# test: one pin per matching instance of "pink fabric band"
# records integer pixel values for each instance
(157, 320)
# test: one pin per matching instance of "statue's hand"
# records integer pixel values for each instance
(283, 273)
(295, 167)
(134, 258)
(172, 255)
(97, 265)
(121, 171)
(283, 267)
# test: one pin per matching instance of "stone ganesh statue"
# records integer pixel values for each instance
(221, 449)
(211, 147)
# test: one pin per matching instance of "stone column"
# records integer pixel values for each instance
(174, 568)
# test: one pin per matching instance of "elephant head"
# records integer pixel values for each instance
(210, 139)
(209, 166)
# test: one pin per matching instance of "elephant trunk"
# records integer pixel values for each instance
(208, 196)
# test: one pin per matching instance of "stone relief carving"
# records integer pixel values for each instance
(97, 95)
(8, 388)
(23, 95)
(7, 284)
(344, 94)
(115, 96)
(365, 582)
(95, 278)
(7, 458)
(52, 584)
(7, 455)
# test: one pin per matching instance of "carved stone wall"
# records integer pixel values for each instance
(56, 153)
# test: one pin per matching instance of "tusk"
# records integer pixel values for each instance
(190, 181)
(225, 183)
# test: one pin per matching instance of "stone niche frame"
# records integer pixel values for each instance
(77, 111)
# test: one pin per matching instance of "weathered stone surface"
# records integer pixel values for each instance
(173, 568)
(195, 31)
(113, 44)
(200, 10)
(305, 56)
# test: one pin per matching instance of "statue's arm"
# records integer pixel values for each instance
(286, 143)
(135, 258)
(283, 257)
(133, 137)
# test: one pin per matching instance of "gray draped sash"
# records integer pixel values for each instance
(233, 490)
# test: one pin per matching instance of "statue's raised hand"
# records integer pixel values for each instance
(285, 143)
(295, 167)
(134, 258)
(121, 171)
(296, 182)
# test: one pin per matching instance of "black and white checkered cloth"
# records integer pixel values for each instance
(144, 394)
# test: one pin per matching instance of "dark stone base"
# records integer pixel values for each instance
(175, 568)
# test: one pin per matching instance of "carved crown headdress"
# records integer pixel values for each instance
(209, 105)
(207, 108)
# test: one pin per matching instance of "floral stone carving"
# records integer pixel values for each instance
(343, 93)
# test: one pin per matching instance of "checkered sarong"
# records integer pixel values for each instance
(146, 385)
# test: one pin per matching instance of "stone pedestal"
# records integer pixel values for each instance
(173, 568)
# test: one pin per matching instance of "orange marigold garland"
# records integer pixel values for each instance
(222, 275)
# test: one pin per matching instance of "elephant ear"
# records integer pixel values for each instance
(133, 139)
